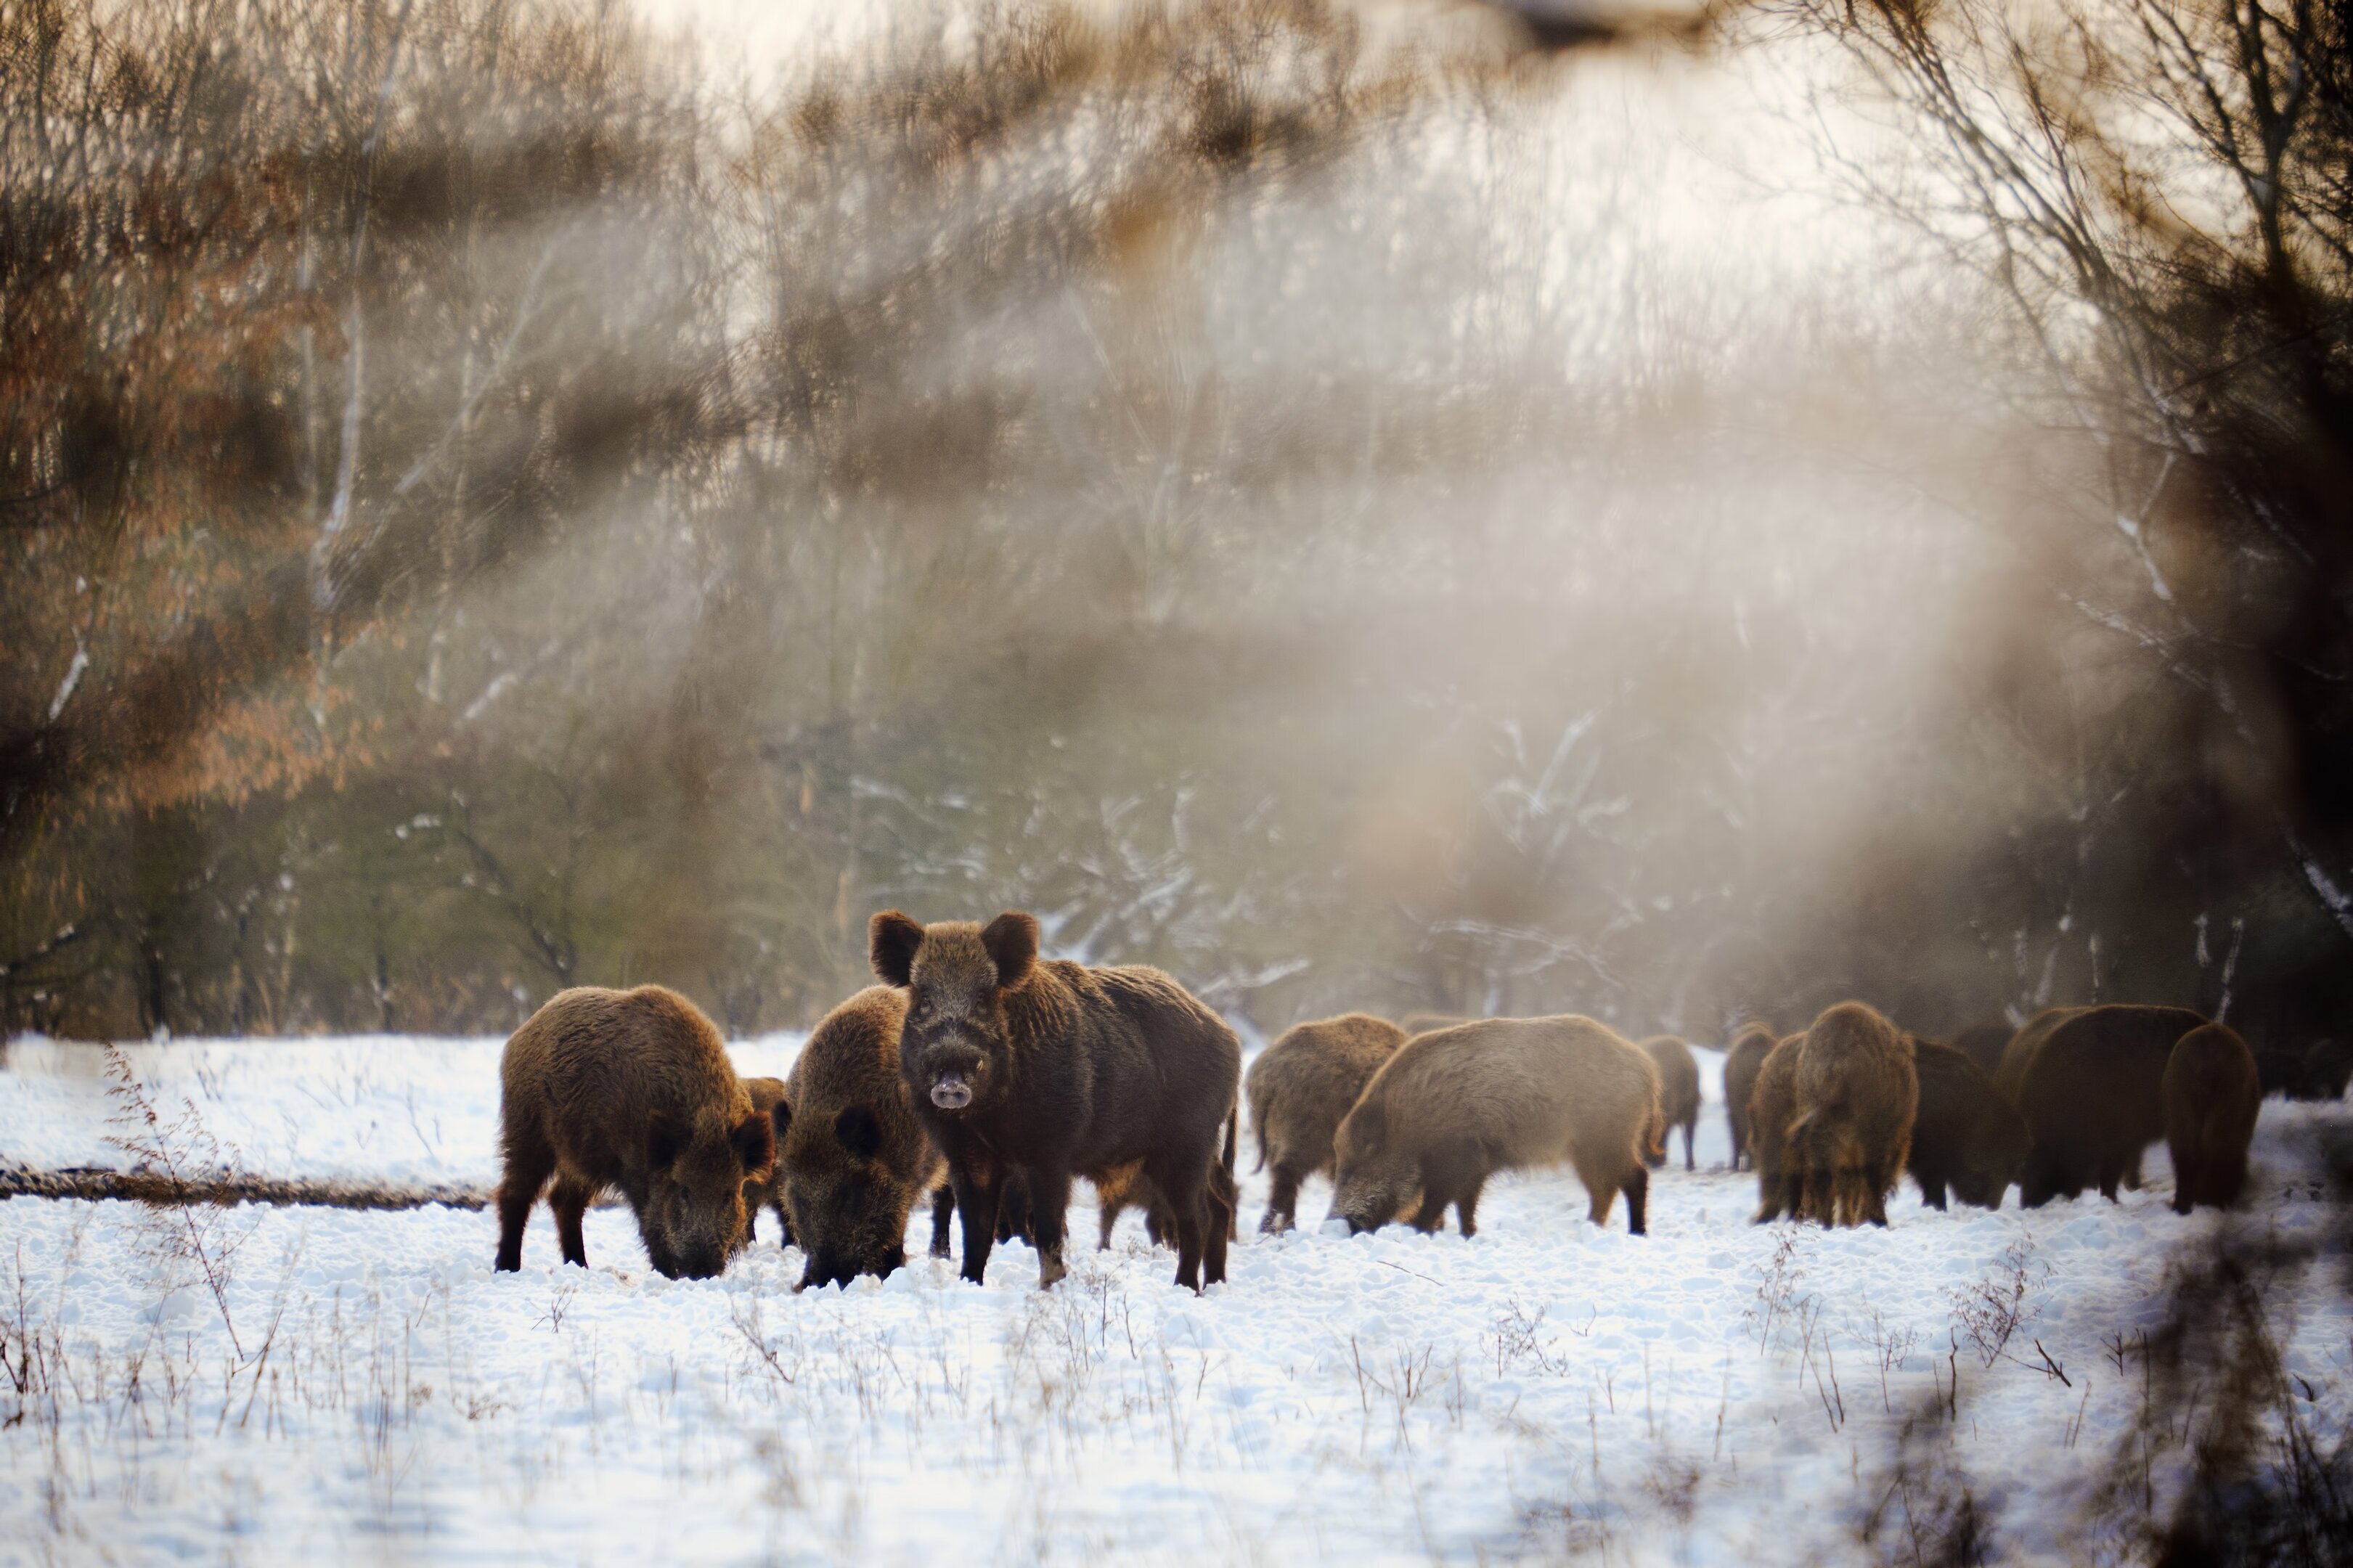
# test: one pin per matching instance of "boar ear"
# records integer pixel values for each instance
(756, 1142)
(664, 1144)
(859, 1132)
(891, 939)
(1369, 1125)
(1011, 940)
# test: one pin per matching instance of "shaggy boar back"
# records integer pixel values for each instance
(1451, 1109)
(629, 1089)
(1299, 1088)
(1966, 1136)
(1053, 1070)
(1858, 1093)
(1742, 1062)
(2212, 1094)
(1678, 1092)
(2091, 1092)
(853, 1158)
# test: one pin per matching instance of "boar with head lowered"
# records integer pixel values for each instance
(629, 1090)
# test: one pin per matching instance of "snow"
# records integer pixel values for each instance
(1543, 1390)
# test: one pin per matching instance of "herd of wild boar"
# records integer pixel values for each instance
(989, 1078)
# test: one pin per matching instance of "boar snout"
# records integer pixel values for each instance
(952, 1092)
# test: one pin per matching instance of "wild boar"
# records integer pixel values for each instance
(629, 1090)
(1299, 1088)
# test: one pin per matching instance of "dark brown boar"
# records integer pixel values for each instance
(1678, 1092)
(1858, 1094)
(1983, 1043)
(1772, 1106)
(2212, 1094)
(1966, 1136)
(1743, 1060)
(1055, 1069)
(2091, 1089)
(853, 1158)
(1299, 1088)
(629, 1090)
(2009, 1076)
(768, 1191)
(1451, 1108)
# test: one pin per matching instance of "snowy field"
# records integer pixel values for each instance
(360, 1384)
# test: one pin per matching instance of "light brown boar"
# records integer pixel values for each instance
(629, 1089)
(1743, 1060)
(2213, 1092)
(1772, 1106)
(1299, 1088)
(1858, 1091)
(1678, 1092)
(1451, 1109)
(852, 1158)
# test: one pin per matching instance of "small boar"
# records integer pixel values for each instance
(1743, 1060)
(1966, 1136)
(853, 1159)
(1679, 1093)
(2212, 1094)
(1983, 1043)
(629, 1090)
(2091, 1092)
(1772, 1106)
(768, 1191)
(1858, 1093)
(1299, 1088)
(1055, 1069)
(1451, 1108)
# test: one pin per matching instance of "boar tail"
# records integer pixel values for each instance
(1654, 1136)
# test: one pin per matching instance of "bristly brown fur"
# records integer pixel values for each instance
(853, 1159)
(1772, 1106)
(1299, 1088)
(1857, 1093)
(1049, 1069)
(1678, 1092)
(2090, 1086)
(1742, 1062)
(629, 1090)
(1451, 1109)
(2212, 1094)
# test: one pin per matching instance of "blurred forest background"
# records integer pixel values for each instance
(1333, 503)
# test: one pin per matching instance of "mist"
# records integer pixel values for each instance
(1354, 509)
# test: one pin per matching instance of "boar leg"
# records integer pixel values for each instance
(1690, 1128)
(530, 1161)
(977, 1207)
(1638, 1200)
(1466, 1204)
(1183, 1179)
(570, 1201)
(944, 1203)
(1222, 1202)
(1050, 1200)
(1281, 1200)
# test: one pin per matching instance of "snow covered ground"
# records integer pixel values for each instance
(362, 1384)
